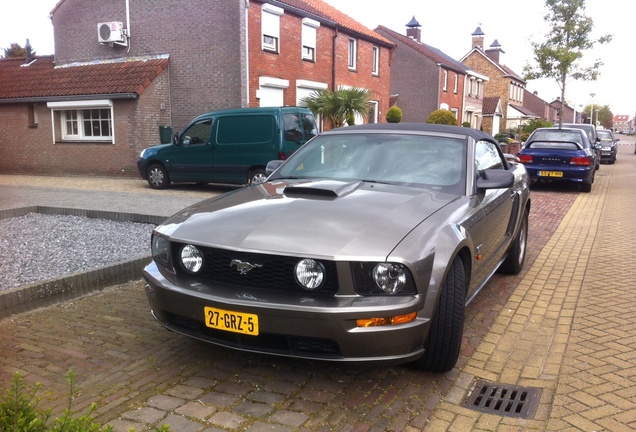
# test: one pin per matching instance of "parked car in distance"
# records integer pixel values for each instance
(592, 134)
(365, 245)
(228, 146)
(609, 145)
(559, 155)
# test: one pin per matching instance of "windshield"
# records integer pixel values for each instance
(419, 160)
(604, 135)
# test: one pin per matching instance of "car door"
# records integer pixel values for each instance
(191, 158)
(491, 234)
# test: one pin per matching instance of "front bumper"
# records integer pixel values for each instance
(142, 167)
(320, 328)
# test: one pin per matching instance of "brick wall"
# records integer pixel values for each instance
(31, 150)
(288, 65)
(204, 38)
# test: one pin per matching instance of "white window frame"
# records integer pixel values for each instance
(270, 27)
(375, 69)
(374, 108)
(309, 32)
(456, 82)
(79, 106)
(353, 54)
(445, 87)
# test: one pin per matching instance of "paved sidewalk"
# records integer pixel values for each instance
(570, 326)
(566, 326)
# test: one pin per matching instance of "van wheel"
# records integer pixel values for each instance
(158, 177)
(257, 176)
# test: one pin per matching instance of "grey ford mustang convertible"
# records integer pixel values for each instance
(365, 245)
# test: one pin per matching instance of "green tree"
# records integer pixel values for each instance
(15, 50)
(340, 106)
(603, 115)
(394, 114)
(442, 116)
(558, 56)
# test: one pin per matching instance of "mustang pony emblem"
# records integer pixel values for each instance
(244, 267)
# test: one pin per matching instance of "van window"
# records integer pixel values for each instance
(293, 131)
(309, 125)
(198, 133)
(243, 129)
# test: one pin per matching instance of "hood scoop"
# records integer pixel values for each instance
(322, 189)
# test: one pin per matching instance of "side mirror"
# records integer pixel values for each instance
(495, 179)
(175, 139)
(272, 166)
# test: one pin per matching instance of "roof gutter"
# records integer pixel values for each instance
(69, 98)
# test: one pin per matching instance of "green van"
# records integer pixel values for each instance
(228, 146)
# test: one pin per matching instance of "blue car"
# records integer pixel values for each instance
(560, 155)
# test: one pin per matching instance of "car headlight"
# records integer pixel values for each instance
(390, 278)
(310, 274)
(160, 247)
(382, 278)
(191, 258)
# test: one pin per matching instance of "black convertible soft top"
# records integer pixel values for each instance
(417, 127)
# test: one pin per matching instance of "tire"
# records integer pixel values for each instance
(441, 349)
(257, 176)
(158, 177)
(513, 264)
(586, 187)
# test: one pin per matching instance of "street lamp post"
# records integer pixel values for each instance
(592, 110)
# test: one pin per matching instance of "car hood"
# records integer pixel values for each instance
(320, 219)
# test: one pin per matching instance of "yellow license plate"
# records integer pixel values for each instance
(237, 322)
(550, 174)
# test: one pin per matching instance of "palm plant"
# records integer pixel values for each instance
(339, 106)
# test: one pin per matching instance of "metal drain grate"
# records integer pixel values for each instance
(505, 400)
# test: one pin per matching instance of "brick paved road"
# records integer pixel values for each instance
(140, 374)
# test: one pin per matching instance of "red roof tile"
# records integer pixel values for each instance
(324, 10)
(41, 79)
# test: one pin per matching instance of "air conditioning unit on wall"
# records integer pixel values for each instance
(111, 32)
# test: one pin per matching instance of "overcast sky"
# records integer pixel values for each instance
(446, 26)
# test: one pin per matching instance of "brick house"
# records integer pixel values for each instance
(504, 83)
(622, 123)
(424, 79)
(200, 55)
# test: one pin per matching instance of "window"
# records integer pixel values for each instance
(456, 83)
(373, 112)
(353, 48)
(376, 61)
(198, 133)
(83, 120)
(487, 156)
(271, 91)
(270, 27)
(445, 84)
(456, 112)
(309, 39)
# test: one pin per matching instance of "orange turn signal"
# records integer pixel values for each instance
(375, 322)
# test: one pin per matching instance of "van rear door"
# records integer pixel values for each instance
(298, 128)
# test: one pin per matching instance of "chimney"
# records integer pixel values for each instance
(28, 58)
(494, 51)
(413, 31)
(478, 39)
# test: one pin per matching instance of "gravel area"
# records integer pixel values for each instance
(38, 247)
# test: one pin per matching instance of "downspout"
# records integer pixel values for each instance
(247, 53)
(333, 61)
(128, 23)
